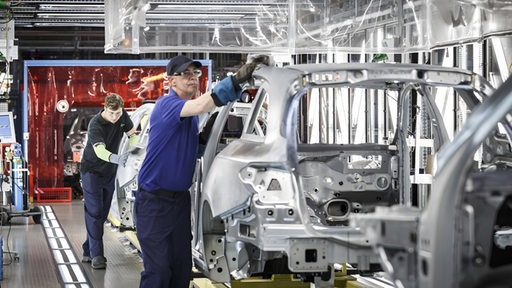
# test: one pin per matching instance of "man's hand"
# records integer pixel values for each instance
(228, 89)
(245, 72)
(119, 159)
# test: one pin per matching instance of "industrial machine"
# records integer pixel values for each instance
(13, 175)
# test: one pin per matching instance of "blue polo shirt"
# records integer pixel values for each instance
(172, 147)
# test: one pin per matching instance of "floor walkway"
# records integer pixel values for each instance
(48, 254)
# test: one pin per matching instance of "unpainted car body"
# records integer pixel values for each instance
(126, 178)
(280, 178)
(75, 129)
(463, 237)
(281, 197)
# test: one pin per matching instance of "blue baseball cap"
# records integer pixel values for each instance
(180, 63)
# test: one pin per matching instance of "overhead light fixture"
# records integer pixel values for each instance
(67, 24)
(57, 7)
(71, 16)
(189, 15)
(211, 7)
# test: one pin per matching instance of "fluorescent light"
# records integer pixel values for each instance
(66, 24)
(71, 16)
(99, 7)
(207, 7)
(191, 15)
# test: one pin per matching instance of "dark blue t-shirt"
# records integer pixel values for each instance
(172, 147)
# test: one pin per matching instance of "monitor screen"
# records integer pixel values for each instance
(7, 134)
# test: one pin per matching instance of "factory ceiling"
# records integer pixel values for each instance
(293, 26)
(59, 26)
(78, 25)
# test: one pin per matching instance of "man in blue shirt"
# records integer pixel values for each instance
(163, 201)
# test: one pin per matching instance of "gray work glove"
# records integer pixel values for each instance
(119, 159)
(245, 72)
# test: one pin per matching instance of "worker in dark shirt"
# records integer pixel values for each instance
(163, 201)
(98, 172)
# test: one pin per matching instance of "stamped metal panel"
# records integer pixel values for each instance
(437, 233)
(240, 153)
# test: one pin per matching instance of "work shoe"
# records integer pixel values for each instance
(86, 259)
(99, 262)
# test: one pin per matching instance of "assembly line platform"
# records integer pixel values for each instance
(49, 254)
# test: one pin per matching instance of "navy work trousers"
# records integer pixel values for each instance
(164, 233)
(98, 192)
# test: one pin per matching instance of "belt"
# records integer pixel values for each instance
(166, 193)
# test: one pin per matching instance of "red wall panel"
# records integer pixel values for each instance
(81, 87)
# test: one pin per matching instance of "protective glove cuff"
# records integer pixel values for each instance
(226, 91)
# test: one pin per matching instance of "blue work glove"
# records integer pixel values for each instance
(226, 91)
(119, 159)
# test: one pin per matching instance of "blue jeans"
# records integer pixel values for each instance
(98, 192)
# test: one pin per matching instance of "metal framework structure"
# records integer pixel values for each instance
(291, 26)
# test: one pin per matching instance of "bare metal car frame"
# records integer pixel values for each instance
(463, 237)
(272, 195)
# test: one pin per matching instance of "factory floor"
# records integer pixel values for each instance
(48, 254)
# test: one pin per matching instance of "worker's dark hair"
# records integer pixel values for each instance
(113, 101)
